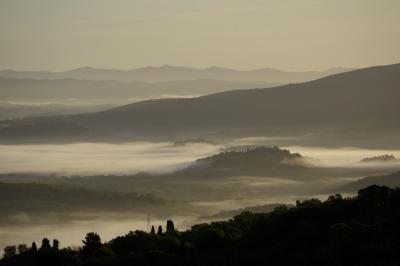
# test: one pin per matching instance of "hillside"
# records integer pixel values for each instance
(256, 161)
(365, 99)
(390, 180)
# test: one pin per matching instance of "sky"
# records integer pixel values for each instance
(243, 34)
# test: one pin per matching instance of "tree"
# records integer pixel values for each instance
(92, 244)
(374, 195)
(45, 245)
(170, 227)
(159, 231)
(56, 244)
(34, 247)
(310, 203)
(22, 248)
(10, 251)
(153, 230)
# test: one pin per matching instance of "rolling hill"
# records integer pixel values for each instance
(361, 101)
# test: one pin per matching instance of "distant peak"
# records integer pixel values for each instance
(84, 68)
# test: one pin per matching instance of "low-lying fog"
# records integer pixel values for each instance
(101, 158)
(162, 157)
(153, 157)
(345, 157)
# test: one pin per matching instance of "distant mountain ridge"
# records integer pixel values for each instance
(173, 73)
(365, 98)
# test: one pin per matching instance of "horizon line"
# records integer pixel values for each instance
(186, 67)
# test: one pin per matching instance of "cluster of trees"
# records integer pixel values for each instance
(380, 158)
(361, 230)
(11, 251)
(45, 255)
(251, 155)
(249, 160)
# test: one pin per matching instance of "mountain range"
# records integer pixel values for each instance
(173, 73)
(364, 99)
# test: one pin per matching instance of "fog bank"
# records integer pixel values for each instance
(101, 158)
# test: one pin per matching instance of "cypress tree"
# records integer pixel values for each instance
(159, 231)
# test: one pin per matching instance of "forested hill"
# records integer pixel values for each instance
(363, 230)
(262, 161)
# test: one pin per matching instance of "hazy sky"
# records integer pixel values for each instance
(243, 34)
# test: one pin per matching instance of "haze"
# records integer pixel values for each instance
(285, 34)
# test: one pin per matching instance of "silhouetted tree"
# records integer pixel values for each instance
(335, 198)
(170, 227)
(374, 195)
(45, 245)
(56, 244)
(310, 203)
(153, 230)
(34, 247)
(22, 248)
(159, 231)
(92, 244)
(10, 251)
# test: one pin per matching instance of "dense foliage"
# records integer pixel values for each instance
(364, 230)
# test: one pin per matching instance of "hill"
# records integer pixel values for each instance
(361, 101)
(253, 161)
(390, 180)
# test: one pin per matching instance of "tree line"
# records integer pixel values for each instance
(359, 230)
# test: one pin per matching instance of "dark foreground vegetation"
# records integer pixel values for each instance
(363, 230)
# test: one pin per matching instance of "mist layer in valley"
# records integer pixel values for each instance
(89, 186)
